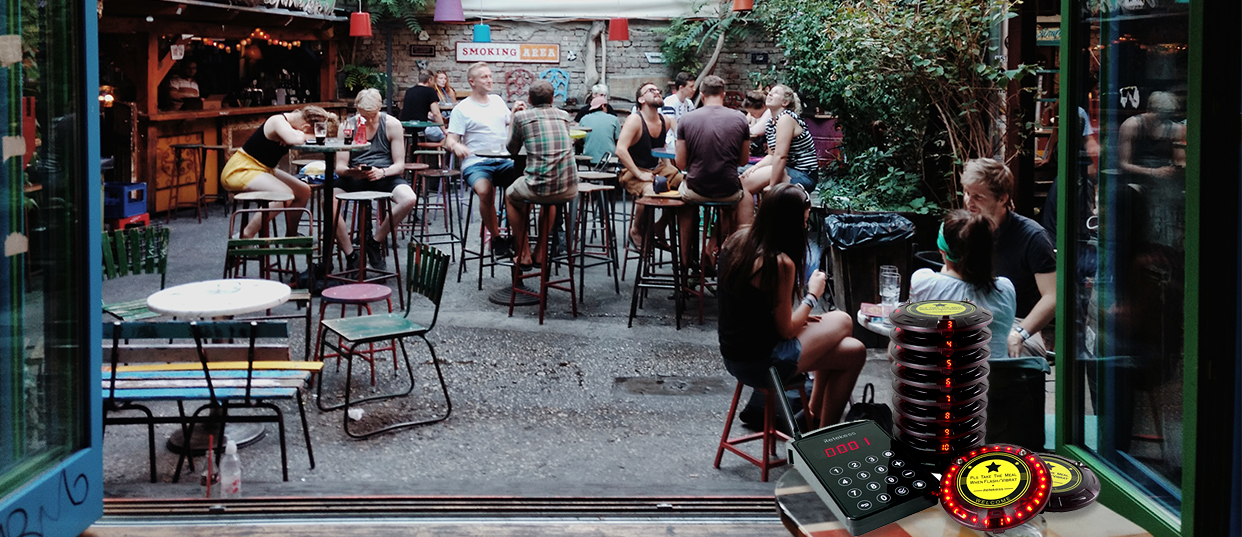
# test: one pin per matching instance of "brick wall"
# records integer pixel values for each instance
(627, 64)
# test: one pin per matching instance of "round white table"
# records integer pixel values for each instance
(213, 299)
(218, 298)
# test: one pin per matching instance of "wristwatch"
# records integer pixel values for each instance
(1022, 332)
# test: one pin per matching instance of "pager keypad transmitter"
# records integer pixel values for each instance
(867, 479)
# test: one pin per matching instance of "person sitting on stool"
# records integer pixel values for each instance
(378, 169)
(551, 173)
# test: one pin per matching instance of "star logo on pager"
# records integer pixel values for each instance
(993, 468)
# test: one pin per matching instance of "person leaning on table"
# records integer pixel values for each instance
(253, 167)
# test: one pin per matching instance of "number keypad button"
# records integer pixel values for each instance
(853, 493)
(854, 465)
(872, 459)
(836, 470)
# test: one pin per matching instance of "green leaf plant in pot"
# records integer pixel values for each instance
(360, 77)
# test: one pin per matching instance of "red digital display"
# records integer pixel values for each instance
(841, 449)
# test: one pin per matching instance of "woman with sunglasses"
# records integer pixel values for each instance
(766, 310)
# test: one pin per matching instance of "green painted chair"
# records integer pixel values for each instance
(427, 271)
(271, 253)
(128, 252)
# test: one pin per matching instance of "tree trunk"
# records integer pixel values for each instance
(711, 62)
(588, 56)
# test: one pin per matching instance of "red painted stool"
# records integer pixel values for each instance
(767, 459)
(361, 295)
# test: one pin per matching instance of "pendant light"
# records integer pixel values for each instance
(360, 23)
(449, 11)
(743, 5)
(619, 29)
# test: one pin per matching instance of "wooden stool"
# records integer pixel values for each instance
(592, 197)
(583, 162)
(547, 219)
(711, 227)
(262, 200)
(361, 202)
(411, 170)
(767, 459)
(646, 275)
(175, 184)
(360, 295)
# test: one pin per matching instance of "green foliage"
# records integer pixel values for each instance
(762, 79)
(686, 46)
(872, 182)
(360, 77)
(914, 85)
(405, 11)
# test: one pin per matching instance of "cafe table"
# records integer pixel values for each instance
(326, 221)
(664, 152)
(805, 515)
(218, 299)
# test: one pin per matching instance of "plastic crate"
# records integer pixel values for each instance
(123, 200)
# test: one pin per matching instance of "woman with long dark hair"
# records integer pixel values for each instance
(766, 310)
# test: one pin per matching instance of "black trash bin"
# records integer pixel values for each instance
(860, 244)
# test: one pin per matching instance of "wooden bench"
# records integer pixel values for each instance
(229, 376)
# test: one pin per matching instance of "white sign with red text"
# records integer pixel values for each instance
(508, 52)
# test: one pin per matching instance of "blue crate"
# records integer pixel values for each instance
(123, 200)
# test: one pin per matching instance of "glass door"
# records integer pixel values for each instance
(50, 437)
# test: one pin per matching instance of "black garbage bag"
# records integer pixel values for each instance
(850, 231)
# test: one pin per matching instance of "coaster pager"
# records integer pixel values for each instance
(865, 477)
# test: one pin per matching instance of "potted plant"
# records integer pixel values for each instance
(358, 77)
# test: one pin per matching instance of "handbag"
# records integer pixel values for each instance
(867, 409)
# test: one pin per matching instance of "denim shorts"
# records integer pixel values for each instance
(784, 357)
(498, 171)
(799, 177)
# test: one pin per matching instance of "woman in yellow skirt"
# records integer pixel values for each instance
(253, 167)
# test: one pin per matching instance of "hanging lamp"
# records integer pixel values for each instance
(449, 11)
(619, 29)
(360, 23)
(743, 5)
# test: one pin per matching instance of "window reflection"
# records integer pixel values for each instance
(43, 362)
(1130, 243)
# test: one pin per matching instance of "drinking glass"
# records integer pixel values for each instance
(890, 288)
(321, 132)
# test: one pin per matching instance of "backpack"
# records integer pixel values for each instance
(866, 409)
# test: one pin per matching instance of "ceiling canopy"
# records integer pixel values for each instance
(580, 9)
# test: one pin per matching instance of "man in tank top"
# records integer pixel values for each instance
(641, 133)
(380, 168)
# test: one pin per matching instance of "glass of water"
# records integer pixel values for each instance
(890, 288)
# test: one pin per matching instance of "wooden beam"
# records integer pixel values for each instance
(297, 29)
(327, 73)
(226, 352)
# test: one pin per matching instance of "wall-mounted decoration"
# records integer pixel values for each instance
(654, 57)
(759, 57)
(423, 51)
(509, 52)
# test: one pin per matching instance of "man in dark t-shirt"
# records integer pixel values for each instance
(712, 141)
(422, 104)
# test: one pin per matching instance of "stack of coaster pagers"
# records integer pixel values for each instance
(939, 352)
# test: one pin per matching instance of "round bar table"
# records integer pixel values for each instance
(326, 221)
(214, 299)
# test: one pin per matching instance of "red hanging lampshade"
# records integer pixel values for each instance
(359, 24)
(618, 29)
(743, 5)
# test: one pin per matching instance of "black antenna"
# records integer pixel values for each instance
(774, 378)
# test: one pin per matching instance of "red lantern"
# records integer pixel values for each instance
(743, 5)
(360, 24)
(619, 29)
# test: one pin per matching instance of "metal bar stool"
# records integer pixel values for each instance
(361, 210)
(547, 220)
(411, 175)
(175, 184)
(262, 200)
(443, 180)
(483, 254)
(361, 295)
(593, 198)
(767, 458)
(647, 275)
(712, 228)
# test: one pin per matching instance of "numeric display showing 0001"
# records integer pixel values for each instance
(841, 449)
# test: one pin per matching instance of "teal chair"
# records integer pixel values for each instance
(134, 251)
(427, 269)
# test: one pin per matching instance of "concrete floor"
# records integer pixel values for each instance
(579, 406)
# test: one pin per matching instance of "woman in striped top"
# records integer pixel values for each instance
(791, 152)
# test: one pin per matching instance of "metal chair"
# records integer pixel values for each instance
(134, 251)
(427, 269)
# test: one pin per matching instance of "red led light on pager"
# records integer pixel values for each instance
(1025, 480)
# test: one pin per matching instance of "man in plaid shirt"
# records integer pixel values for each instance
(551, 174)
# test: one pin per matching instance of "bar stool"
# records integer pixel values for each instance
(646, 275)
(410, 171)
(547, 219)
(175, 184)
(767, 459)
(583, 162)
(593, 198)
(262, 200)
(483, 255)
(359, 205)
(361, 295)
(712, 226)
(443, 180)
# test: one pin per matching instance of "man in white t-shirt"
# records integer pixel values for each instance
(480, 125)
(679, 103)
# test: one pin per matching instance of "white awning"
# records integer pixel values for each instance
(579, 9)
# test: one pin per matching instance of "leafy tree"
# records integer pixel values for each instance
(914, 85)
(683, 48)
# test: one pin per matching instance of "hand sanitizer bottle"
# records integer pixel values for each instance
(230, 472)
